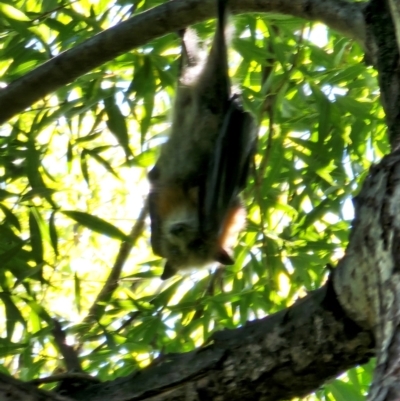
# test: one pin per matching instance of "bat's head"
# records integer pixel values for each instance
(185, 247)
(198, 253)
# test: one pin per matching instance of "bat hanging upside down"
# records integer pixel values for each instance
(195, 209)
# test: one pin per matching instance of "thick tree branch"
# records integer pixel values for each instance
(172, 16)
(370, 290)
(383, 48)
(284, 355)
(14, 390)
(394, 6)
(367, 279)
(288, 354)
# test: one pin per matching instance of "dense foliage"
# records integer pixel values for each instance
(73, 184)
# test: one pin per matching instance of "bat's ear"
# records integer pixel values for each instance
(169, 270)
(223, 257)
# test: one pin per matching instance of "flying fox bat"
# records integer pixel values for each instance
(194, 203)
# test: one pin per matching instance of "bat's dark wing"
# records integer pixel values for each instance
(229, 166)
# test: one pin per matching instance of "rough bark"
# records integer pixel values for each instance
(288, 354)
(384, 50)
(394, 6)
(282, 356)
(15, 390)
(166, 18)
(367, 280)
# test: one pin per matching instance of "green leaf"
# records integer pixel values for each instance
(10, 217)
(94, 153)
(96, 224)
(35, 237)
(13, 315)
(78, 298)
(344, 391)
(116, 123)
(9, 348)
(84, 166)
(53, 233)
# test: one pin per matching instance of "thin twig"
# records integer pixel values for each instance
(63, 376)
(68, 352)
(111, 283)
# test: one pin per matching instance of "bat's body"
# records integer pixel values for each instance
(194, 206)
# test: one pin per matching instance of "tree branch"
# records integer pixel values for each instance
(111, 284)
(288, 354)
(383, 48)
(15, 390)
(367, 279)
(394, 6)
(169, 17)
(68, 352)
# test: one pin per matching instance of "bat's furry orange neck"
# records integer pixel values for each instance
(185, 247)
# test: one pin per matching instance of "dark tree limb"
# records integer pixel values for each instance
(383, 48)
(171, 16)
(367, 279)
(394, 6)
(288, 354)
(14, 390)
(70, 356)
(63, 376)
(370, 292)
(284, 355)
